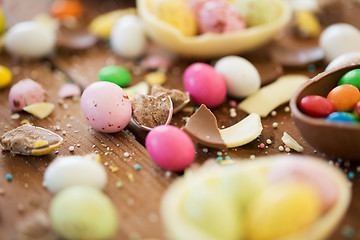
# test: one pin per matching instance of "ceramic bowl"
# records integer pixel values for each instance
(206, 46)
(179, 228)
(334, 139)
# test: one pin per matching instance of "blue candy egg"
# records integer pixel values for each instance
(343, 117)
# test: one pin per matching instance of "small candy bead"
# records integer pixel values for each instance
(5, 76)
(342, 117)
(344, 97)
(115, 74)
(316, 106)
(352, 77)
(357, 108)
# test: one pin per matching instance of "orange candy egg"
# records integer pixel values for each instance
(66, 8)
(344, 97)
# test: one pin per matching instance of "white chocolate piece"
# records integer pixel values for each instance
(242, 132)
(74, 170)
(40, 110)
(273, 95)
(140, 88)
(291, 143)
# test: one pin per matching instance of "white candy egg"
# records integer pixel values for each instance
(30, 40)
(127, 37)
(74, 170)
(241, 76)
(344, 60)
(338, 39)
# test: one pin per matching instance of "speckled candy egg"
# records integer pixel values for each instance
(30, 40)
(127, 37)
(205, 85)
(338, 39)
(170, 147)
(24, 93)
(241, 76)
(106, 107)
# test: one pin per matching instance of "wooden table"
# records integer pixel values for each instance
(137, 201)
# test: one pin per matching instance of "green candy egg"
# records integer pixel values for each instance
(115, 74)
(83, 212)
(352, 77)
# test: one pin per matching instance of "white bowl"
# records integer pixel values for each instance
(212, 45)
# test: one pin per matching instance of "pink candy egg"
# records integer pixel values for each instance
(24, 93)
(106, 107)
(316, 106)
(205, 85)
(170, 147)
(306, 170)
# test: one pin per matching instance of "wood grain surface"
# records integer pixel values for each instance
(137, 201)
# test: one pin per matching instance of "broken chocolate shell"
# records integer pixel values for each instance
(202, 127)
(178, 98)
(151, 111)
(30, 140)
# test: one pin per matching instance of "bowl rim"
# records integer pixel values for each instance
(320, 229)
(320, 122)
(283, 19)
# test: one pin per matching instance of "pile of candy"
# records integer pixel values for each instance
(342, 104)
(194, 17)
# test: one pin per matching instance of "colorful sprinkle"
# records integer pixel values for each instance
(273, 113)
(9, 177)
(268, 141)
(114, 169)
(261, 145)
(119, 184)
(252, 157)
(348, 231)
(351, 175)
(227, 158)
(137, 167)
(275, 125)
(219, 159)
(126, 154)
(281, 148)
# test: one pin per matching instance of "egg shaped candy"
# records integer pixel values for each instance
(30, 40)
(106, 107)
(69, 171)
(170, 147)
(241, 76)
(24, 93)
(338, 39)
(204, 84)
(127, 37)
(83, 212)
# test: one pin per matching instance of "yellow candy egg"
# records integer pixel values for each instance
(282, 209)
(5, 76)
(307, 23)
(177, 14)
